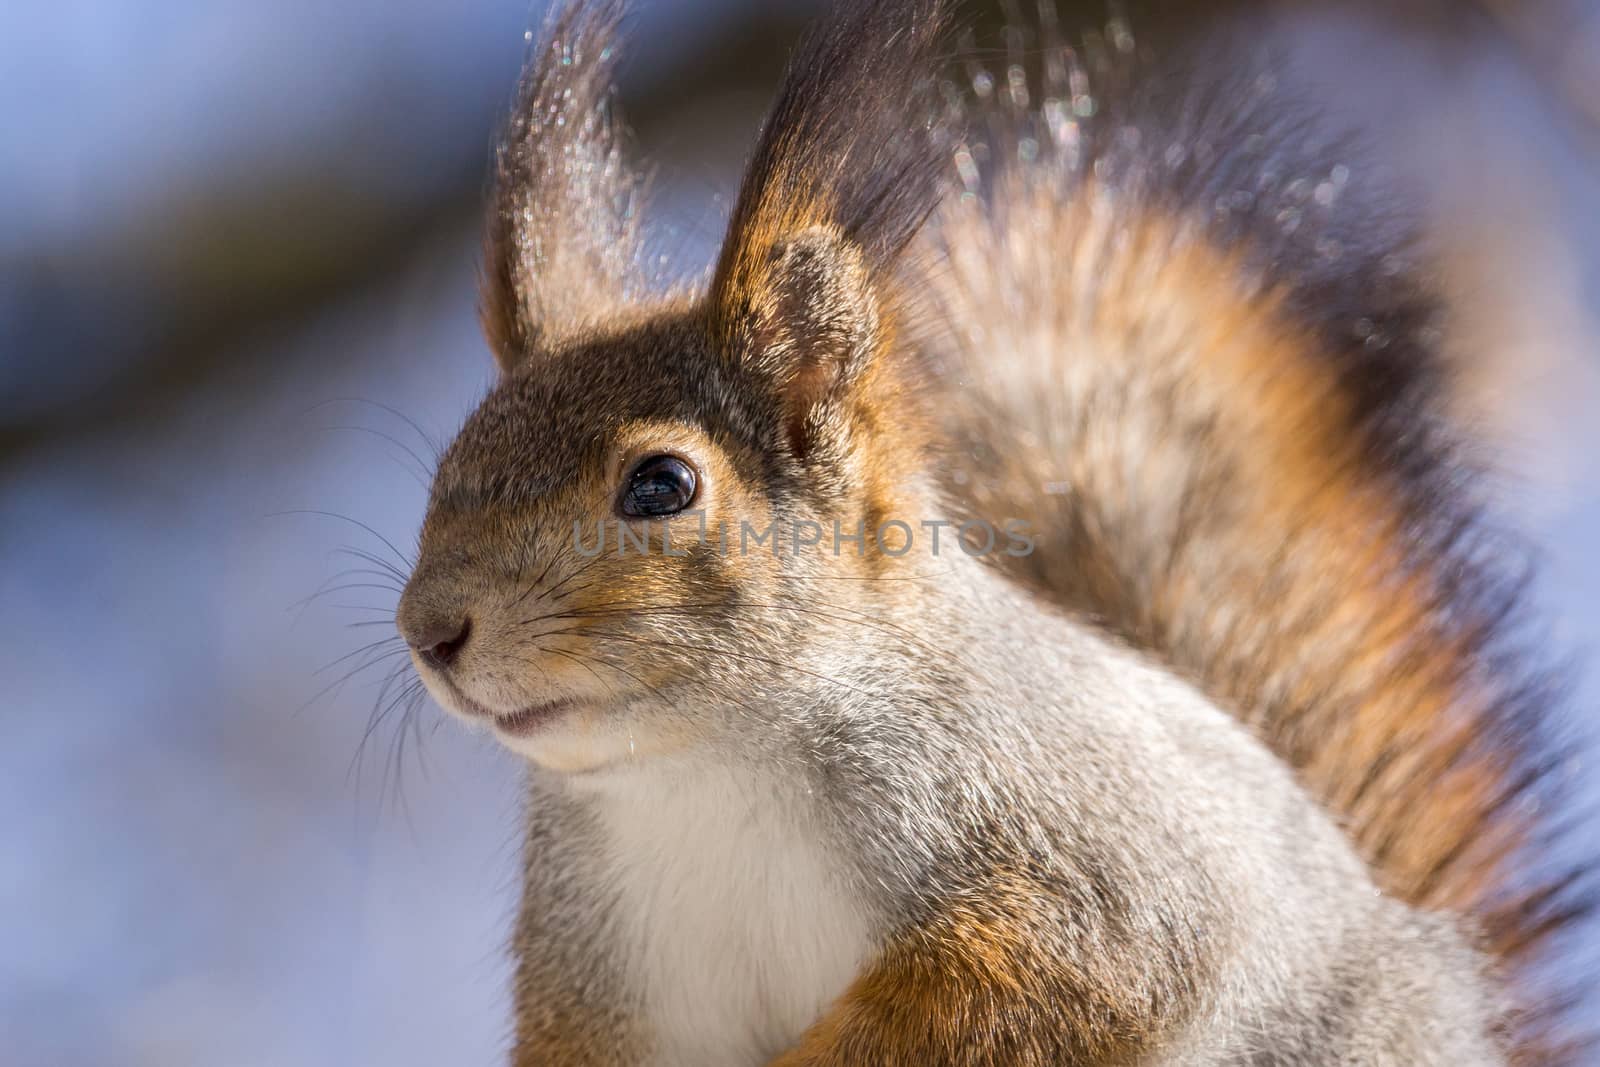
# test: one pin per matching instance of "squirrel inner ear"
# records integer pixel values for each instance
(815, 328)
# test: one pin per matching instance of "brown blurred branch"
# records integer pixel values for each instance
(233, 262)
(215, 269)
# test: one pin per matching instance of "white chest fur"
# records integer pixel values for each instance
(739, 927)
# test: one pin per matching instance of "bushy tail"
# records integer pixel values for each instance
(1196, 355)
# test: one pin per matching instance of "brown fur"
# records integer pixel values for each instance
(1216, 504)
(1236, 490)
(986, 981)
(1304, 532)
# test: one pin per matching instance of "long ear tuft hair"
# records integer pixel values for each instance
(841, 151)
(562, 241)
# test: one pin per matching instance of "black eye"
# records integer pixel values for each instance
(660, 485)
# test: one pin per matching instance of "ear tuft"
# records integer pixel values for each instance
(561, 244)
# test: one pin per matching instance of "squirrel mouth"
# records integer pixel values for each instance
(530, 719)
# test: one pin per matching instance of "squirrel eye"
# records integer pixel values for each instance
(659, 485)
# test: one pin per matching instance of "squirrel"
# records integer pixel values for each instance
(1195, 740)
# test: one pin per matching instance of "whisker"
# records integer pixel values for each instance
(580, 661)
(652, 690)
(373, 558)
(751, 657)
(405, 560)
(534, 585)
(856, 577)
(367, 572)
(408, 726)
(575, 590)
(356, 652)
(709, 610)
(300, 607)
(581, 569)
(535, 664)
(382, 707)
(421, 472)
(428, 441)
(557, 633)
(338, 683)
(342, 589)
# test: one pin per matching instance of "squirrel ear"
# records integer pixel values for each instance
(837, 187)
(561, 244)
(812, 328)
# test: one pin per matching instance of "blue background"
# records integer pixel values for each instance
(232, 236)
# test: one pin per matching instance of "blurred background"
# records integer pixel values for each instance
(237, 266)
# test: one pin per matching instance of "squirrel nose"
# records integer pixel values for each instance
(438, 641)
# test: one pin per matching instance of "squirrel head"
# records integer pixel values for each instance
(626, 545)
